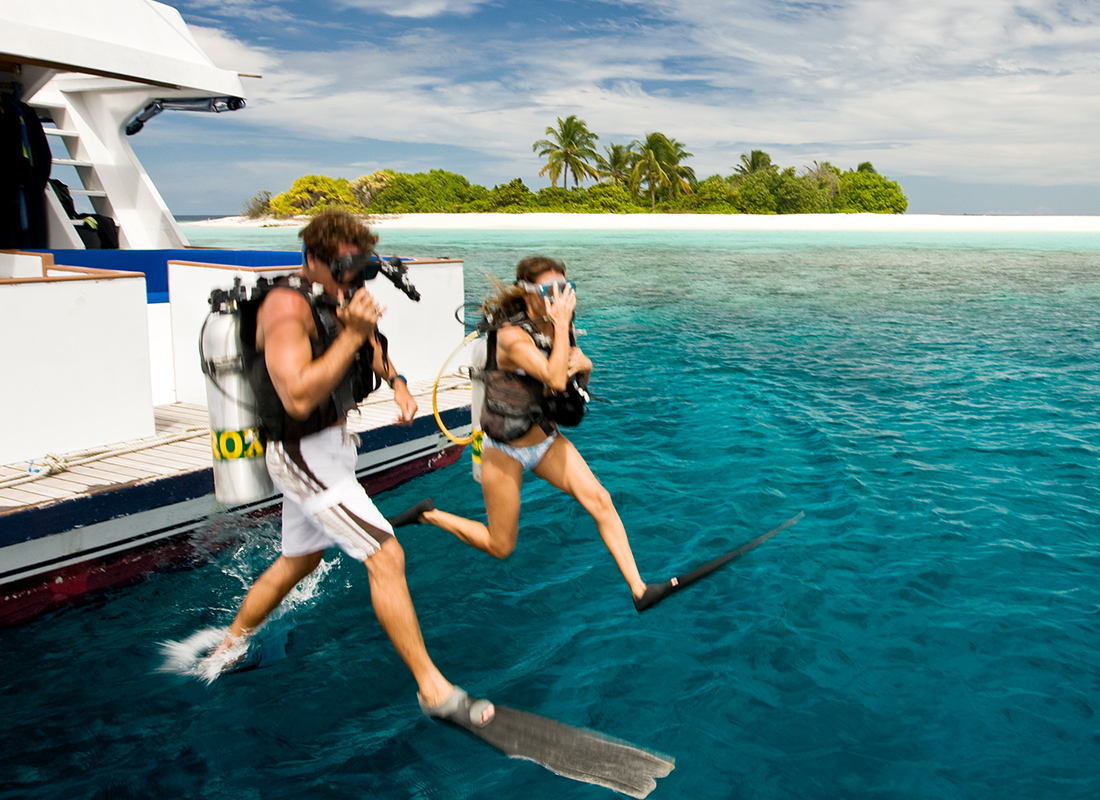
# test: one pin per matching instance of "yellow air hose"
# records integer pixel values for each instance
(435, 390)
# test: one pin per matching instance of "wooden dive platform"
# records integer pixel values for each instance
(181, 445)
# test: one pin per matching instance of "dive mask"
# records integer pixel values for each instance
(546, 291)
(355, 271)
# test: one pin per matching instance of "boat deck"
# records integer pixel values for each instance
(181, 445)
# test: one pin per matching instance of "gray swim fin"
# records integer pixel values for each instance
(576, 753)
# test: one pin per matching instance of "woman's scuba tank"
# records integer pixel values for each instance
(478, 357)
(566, 408)
(474, 351)
(240, 472)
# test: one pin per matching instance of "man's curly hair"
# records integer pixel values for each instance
(332, 228)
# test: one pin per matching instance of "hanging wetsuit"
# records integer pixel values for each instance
(25, 163)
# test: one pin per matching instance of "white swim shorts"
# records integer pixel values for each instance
(323, 503)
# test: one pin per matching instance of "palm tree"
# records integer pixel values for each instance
(685, 174)
(657, 164)
(826, 176)
(615, 168)
(569, 149)
(756, 161)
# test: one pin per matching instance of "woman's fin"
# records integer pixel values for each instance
(656, 592)
(411, 515)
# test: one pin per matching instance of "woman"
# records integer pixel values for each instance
(532, 356)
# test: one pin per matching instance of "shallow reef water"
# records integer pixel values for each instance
(930, 629)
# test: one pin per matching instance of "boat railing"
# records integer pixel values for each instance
(421, 335)
(76, 362)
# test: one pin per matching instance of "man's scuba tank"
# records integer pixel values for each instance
(240, 473)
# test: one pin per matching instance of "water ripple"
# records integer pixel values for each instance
(930, 629)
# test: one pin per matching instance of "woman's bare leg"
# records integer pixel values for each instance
(565, 468)
(501, 481)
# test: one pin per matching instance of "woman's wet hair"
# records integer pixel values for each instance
(531, 267)
(511, 300)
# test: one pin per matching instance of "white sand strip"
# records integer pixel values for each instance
(705, 222)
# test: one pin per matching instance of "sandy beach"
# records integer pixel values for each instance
(703, 222)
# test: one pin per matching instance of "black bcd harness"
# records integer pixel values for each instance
(514, 402)
(358, 382)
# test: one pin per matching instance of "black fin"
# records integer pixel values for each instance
(575, 753)
(656, 592)
(411, 515)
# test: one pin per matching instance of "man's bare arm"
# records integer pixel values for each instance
(302, 383)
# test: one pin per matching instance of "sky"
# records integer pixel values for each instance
(987, 107)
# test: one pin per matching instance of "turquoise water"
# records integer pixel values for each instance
(930, 629)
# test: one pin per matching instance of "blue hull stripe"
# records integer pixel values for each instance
(35, 523)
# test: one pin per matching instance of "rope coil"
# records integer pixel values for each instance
(58, 463)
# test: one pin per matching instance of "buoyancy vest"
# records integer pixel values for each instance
(358, 382)
(515, 402)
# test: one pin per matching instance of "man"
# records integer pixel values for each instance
(312, 456)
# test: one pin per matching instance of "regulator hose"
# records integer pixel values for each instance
(435, 390)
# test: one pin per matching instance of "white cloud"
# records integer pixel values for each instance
(237, 10)
(996, 91)
(417, 9)
(232, 54)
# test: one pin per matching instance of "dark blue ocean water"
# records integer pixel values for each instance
(930, 629)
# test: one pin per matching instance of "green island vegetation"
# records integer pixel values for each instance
(646, 176)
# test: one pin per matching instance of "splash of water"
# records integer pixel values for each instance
(199, 655)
